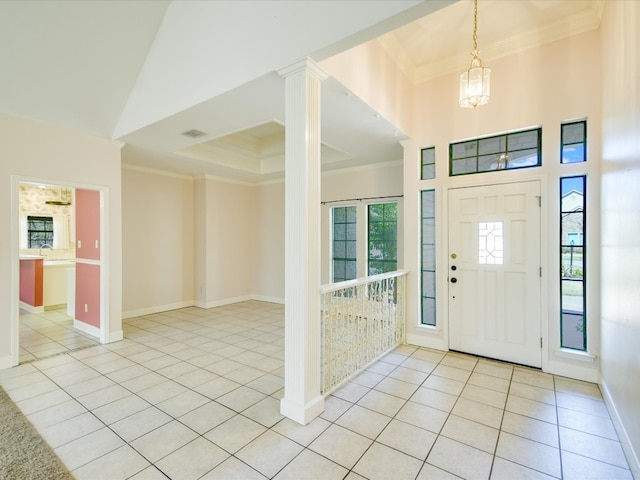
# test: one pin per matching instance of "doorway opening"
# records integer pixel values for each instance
(46, 322)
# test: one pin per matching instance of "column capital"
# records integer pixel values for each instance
(305, 64)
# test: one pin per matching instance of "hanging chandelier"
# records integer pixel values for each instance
(475, 82)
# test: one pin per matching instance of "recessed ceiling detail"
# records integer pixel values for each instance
(259, 149)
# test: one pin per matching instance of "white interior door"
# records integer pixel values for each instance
(494, 271)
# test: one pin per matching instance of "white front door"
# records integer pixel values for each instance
(494, 271)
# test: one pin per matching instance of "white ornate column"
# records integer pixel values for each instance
(302, 401)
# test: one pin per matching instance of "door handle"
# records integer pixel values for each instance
(454, 280)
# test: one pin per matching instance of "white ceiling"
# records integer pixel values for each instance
(74, 63)
(81, 64)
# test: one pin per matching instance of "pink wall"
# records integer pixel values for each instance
(31, 277)
(88, 256)
(88, 293)
(87, 224)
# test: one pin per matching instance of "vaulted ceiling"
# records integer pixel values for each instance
(146, 72)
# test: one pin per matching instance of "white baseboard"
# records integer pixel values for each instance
(425, 341)
(263, 298)
(196, 303)
(223, 302)
(6, 362)
(31, 308)
(86, 328)
(138, 312)
(578, 370)
(625, 441)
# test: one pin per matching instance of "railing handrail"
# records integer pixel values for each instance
(332, 287)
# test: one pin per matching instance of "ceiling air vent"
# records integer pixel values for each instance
(193, 133)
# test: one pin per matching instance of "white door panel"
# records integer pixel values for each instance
(494, 280)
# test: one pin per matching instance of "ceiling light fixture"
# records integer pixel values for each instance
(475, 82)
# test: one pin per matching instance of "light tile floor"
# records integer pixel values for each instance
(49, 333)
(194, 393)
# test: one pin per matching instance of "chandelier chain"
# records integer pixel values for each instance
(475, 26)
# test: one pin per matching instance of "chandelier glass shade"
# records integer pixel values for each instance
(475, 83)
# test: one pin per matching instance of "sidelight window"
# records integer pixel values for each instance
(573, 265)
(428, 260)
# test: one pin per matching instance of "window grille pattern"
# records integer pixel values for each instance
(39, 231)
(428, 260)
(428, 163)
(382, 238)
(573, 266)
(500, 152)
(344, 251)
(490, 243)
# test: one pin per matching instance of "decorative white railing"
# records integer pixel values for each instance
(361, 320)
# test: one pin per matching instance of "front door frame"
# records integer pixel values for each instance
(510, 177)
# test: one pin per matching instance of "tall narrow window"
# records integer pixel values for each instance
(428, 260)
(428, 163)
(344, 250)
(574, 142)
(382, 238)
(573, 266)
(39, 231)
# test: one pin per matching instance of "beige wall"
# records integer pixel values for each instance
(208, 241)
(157, 241)
(369, 72)
(620, 364)
(39, 152)
(268, 246)
(225, 212)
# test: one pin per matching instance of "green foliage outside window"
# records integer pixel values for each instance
(382, 238)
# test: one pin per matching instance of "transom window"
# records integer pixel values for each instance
(574, 142)
(500, 152)
(428, 163)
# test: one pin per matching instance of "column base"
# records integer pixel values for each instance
(303, 414)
